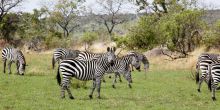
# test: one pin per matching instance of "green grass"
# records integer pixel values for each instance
(161, 90)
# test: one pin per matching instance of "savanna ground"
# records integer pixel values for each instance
(162, 89)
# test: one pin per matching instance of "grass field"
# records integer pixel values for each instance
(160, 90)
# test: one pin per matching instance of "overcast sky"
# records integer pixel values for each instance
(29, 5)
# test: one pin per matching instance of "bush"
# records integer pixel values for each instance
(143, 35)
(211, 37)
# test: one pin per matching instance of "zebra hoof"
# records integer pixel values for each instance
(113, 86)
(99, 97)
(104, 81)
(110, 77)
(129, 86)
(90, 96)
(213, 98)
(71, 97)
(198, 90)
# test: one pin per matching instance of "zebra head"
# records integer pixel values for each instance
(135, 60)
(111, 55)
(21, 63)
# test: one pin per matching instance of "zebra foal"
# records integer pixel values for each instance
(84, 70)
(13, 56)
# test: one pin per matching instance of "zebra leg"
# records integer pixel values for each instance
(114, 81)
(119, 76)
(63, 87)
(200, 81)
(132, 69)
(98, 83)
(69, 92)
(9, 67)
(213, 91)
(17, 65)
(93, 88)
(4, 65)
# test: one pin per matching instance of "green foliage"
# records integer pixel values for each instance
(8, 26)
(89, 37)
(143, 35)
(54, 40)
(178, 30)
(211, 36)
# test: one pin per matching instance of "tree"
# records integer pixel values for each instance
(6, 6)
(181, 30)
(88, 38)
(160, 7)
(65, 15)
(111, 15)
(8, 26)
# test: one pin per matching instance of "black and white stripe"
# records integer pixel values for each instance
(13, 56)
(84, 55)
(85, 70)
(214, 79)
(62, 53)
(143, 59)
(121, 66)
(204, 60)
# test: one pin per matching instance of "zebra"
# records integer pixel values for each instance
(121, 66)
(214, 79)
(13, 56)
(62, 53)
(142, 58)
(85, 70)
(204, 60)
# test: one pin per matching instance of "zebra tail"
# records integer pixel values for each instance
(58, 76)
(210, 78)
(53, 62)
(210, 83)
(197, 73)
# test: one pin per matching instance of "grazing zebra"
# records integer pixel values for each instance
(14, 56)
(85, 70)
(61, 53)
(142, 58)
(204, 60)
(214, 79)
(121, 66)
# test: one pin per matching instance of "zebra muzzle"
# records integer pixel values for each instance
(112, 63)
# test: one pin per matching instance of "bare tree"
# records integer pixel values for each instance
(6, 6)
(110, 14)
(65, 15)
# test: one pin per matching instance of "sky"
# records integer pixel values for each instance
(29, 5)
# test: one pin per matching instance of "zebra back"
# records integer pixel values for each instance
(62, 53)
(83, 55)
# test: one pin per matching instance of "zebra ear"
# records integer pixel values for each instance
(114, 49)
(108, 49)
